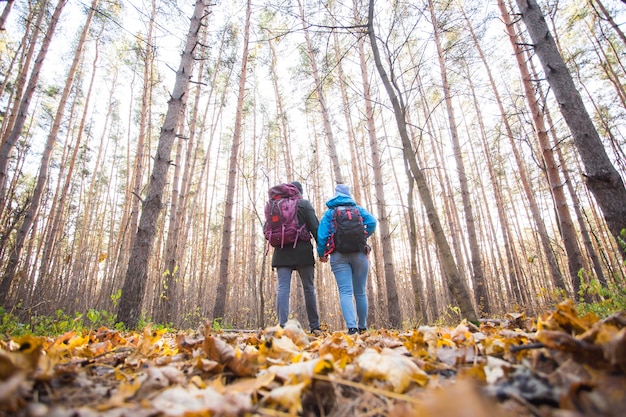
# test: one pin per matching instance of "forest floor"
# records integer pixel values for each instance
(559, 364)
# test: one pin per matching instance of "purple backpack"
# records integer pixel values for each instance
(281, 217)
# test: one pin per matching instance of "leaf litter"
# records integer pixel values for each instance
(559, 364)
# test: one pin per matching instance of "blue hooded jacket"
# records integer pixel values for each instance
(326, 227)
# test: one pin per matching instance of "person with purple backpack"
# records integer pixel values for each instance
(298, 255)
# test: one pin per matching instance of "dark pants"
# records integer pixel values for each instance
(307, 275)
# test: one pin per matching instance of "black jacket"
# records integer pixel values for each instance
(302, 254)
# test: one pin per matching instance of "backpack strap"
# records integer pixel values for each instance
(330, 242)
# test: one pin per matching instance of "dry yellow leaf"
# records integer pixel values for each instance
(302, 371)
(293, 330)
(288, 396)
(281, 348)
(396, 370)
(124, 391)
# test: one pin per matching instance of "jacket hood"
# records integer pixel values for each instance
(340, 200)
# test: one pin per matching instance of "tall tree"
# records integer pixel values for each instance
(221, 292)
(453, 277)
(393, 303)
(544, 238)
(9, 143)
(480, 287)
(604, 12)
(601, 177)
(177, 235)
(549, 161)
(5, 14)
(281, 112)
(143, 135)
(31, 214)
(133, 290)
(52, 138)
(321, 98)
(57, 212)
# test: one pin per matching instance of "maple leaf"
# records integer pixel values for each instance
(150, 344)
(218, 350)
(246, 362)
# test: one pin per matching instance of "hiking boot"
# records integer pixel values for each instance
(316, 332)
(362, 330)
(353, 330)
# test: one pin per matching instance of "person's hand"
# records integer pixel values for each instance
(323, 259)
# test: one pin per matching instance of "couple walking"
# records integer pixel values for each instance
(350, 266)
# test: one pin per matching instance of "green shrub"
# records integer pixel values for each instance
(612, 298)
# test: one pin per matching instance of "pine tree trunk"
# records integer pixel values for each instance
(455, 282)
(133, 290)
(167, 298)
(11, 268)
(480, 287)
(488, 203)
(393, 302)
(511, 255)
(221, 292)
(17, 57)
(563, 215)
(143, 134)
(555, 272)
(606, 15)
(281, 115)
(319, 89)
(350, 130)
(9, 143)
(5, 14)
(601, 177)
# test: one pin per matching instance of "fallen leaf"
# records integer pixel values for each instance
(387, 366)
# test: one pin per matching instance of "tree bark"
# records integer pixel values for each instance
(564, 218)
(455, 282)
(133, 290)
(219, 309)
(393, 302)
(21, 115)
(5, 14)
(601, 177)
(512, 257)
(16, 252)
(480, 287)
(319, 89)
(609, 19)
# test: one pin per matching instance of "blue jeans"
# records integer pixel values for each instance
(350, 270)
(307, 275)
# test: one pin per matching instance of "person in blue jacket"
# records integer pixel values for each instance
(350, 269)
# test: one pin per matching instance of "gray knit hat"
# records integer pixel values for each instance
(298, 186)
(343, 189)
